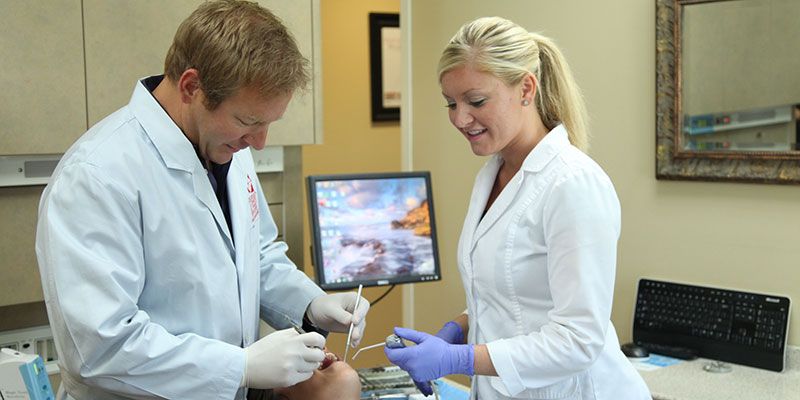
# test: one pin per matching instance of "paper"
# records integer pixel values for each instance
(654, 362)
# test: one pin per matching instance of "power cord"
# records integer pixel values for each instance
(372, 303)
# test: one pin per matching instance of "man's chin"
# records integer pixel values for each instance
(223, 157)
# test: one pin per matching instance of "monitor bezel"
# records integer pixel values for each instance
(316, 249)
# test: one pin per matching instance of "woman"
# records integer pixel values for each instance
(537, 252)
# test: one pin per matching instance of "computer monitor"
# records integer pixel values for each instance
(373, 229)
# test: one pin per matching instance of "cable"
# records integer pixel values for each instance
(372, 303)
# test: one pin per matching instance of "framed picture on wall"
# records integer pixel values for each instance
(384, 55)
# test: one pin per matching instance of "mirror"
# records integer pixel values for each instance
(728, 90)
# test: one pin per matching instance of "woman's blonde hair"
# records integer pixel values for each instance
(235, 44)
(509, 52)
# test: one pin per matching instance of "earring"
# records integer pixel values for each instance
(525, 102)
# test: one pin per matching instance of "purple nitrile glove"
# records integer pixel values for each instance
(424, 388)
(432, 357)
(451, 333)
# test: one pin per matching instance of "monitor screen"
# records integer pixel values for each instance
(373, 229)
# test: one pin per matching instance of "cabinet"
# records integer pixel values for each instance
(71, 63)
(42, 101)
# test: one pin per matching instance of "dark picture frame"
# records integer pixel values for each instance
(385, 97)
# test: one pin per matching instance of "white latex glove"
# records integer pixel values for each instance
(282, 358)
(334, 312)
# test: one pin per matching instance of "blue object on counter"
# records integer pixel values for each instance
(450, 392)
(662, 361)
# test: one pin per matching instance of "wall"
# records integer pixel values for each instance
(739, 236)
(351, 142)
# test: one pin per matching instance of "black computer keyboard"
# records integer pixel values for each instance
(739, 327)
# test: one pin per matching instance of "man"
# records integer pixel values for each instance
(155, 244)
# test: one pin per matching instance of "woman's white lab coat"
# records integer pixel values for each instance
(146, 292)
(538, 272)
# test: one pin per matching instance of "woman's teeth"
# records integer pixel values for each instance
(475, 132)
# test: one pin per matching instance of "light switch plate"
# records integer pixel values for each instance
(270, 159)
(27, 170)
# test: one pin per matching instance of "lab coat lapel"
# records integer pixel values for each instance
(547, 149)
(500, 205)
(244, 212)
(205, 193)
(240, 188)
(480, 195)
(177, 152)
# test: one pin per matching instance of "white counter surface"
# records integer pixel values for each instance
(688, 381)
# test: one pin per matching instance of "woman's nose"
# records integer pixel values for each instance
(461, 118)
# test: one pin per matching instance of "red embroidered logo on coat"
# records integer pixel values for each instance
(253, 200)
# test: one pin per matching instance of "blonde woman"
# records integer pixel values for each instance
(537, 252)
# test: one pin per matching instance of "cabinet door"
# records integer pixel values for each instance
(128, 40)
(42, 101)
(301, 122)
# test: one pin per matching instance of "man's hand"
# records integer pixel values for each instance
(334, 312)
(282, 358)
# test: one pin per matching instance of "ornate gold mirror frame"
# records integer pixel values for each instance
(672, 160)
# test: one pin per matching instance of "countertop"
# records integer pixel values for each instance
(688, 381)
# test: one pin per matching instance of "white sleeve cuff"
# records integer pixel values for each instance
(500, 355)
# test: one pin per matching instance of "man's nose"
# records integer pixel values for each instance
(257, 139)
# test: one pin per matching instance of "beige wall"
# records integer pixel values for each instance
(729, 235)
(351, 142)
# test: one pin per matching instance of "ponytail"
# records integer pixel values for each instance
(558, 97)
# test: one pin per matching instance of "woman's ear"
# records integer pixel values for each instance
(189, 85)
(529, 87)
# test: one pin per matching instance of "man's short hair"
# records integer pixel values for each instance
(235, 44)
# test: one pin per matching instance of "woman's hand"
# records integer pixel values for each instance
(432, 357)
(451, 333)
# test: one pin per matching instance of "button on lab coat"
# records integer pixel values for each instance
(538, 272)
(146, 292)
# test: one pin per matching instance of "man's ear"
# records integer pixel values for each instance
(529, 87)
(189, 85)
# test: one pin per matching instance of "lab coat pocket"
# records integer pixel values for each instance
(567, 389)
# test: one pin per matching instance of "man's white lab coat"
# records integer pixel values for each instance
(146, 292)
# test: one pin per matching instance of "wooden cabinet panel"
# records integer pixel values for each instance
(125, 41)
(65, 67)
(128, 40)
(42, 102)
(298, 125)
